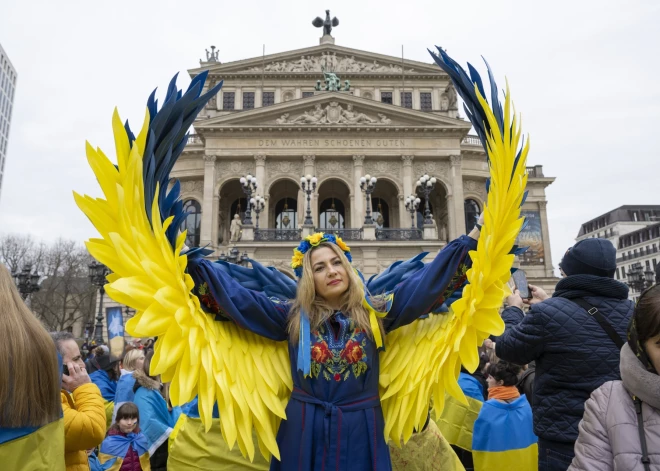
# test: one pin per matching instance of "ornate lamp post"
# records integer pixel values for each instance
(26, 281)
(412, 203)
(308, 185)
(368, 185)
(640, 279)
(97, 274)
(259, 203)
(249, 185)
(426, 184)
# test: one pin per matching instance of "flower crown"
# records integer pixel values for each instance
(315, 240)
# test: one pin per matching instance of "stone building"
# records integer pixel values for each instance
(7, 89)
(635, 232)
(399, 120)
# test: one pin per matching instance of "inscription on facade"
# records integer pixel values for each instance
(339, 143)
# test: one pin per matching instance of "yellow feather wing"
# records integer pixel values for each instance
(423, 359)
(247, 375)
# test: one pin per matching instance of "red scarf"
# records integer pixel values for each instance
(503, 393)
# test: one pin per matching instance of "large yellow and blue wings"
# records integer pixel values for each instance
(422, 361)
(138, 219)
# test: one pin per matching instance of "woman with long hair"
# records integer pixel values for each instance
(30, 407)
(334, 415)
(620, 428)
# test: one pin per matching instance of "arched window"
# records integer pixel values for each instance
(286, 214)
(192, 222)
(380, 212)
(238, 206)
(331, 214)
(472, 212)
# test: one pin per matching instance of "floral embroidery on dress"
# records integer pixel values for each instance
(336, 358)
(207, 299)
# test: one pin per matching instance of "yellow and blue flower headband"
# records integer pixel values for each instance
(315, 240)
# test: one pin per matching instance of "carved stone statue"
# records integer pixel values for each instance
(444, 102)
(284, 119)
(332, 83)
(451, 96)
(348, 116)
(384, 119)
(222, 226)
(327, 24)
(443, 232)
(235, 228)
(315, 116)
(213, 55)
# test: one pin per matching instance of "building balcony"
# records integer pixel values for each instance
(642, 253)
(277, 235)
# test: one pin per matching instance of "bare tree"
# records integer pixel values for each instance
(66, 297)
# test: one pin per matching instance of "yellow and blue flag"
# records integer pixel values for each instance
(33, 448)
(503, 437)
(457, 419)
(115, 447)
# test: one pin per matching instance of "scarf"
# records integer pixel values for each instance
(503, 393)
(637, 379)
(579, 286)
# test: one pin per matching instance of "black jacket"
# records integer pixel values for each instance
(573, 354)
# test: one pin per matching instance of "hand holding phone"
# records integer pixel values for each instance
(522, 285)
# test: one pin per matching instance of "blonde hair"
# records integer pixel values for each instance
(30, 384)
(131, 357)
(318, 310)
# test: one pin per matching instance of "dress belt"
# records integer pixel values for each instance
(332, 422)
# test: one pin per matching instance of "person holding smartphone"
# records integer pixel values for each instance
(82, 404)
(573, 337)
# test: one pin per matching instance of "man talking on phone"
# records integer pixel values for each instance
(82, 404)
(574, 337)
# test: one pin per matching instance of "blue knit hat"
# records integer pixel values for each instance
(590, 257)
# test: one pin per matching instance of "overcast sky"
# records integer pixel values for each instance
(584, 74)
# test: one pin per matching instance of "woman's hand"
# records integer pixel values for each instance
(476, 232)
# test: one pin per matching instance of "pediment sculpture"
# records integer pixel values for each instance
(333, 113)
(329, 62)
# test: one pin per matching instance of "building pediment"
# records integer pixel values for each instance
(332, 109)
(313, 60)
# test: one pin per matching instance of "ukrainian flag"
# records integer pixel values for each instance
(457, 419)
(191, 448)
(503, 437)
(36, 449)
(115, 447)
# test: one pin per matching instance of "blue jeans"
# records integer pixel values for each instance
(555, 456)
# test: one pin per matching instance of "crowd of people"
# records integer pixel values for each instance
(571, 384)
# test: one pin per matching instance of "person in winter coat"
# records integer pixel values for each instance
(105, 377)
(157, 422)
(125, 447)
(621, 425)
(82, 404)
(573, 353)
(133, 360)
(31, 429)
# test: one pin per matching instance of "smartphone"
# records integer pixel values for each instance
(65, 370)
(520, 279)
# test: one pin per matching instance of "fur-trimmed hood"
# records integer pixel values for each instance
(142, 380)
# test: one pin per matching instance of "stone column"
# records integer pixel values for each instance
(310, 169)
(209, 218)
(298, 93)
(396, 96)
(436, 98)
(278, 94)
(258, 97)
(417, 103)
(377, 94)
(457, 187)
(359, 207)
(216, 222)
(404, 215)
(260, 174)
(545, 231)
(238, 99)
(408, 186)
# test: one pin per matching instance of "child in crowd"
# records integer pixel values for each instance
(503, 436)
(125, 448)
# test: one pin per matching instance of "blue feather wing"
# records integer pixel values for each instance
(268, 280)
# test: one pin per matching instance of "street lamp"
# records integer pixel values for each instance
(308, 185)
(249, 185)
(412, 203)
(640, 279)
(26, 281)
(368, 185)
(259, 204)
(97, 274)
(426, 184)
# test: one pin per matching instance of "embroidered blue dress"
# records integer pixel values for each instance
(334, 418)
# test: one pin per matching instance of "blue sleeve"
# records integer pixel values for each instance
(523, 337)
(428, 288)
(220, 294)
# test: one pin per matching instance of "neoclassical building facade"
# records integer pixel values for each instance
(398, 121)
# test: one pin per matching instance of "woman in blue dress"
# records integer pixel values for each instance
(334, 417)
